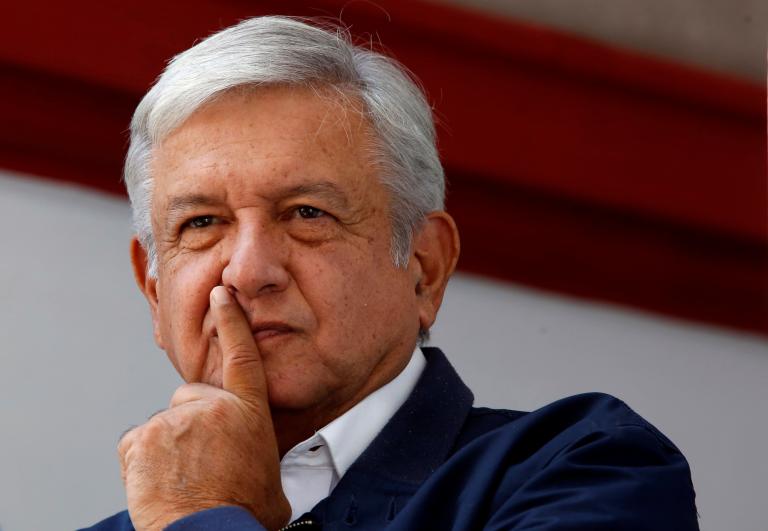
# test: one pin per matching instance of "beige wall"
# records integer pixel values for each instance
(724, 35)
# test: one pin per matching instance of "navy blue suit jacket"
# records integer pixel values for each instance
(586, 463)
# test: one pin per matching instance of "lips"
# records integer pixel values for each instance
(263, 331)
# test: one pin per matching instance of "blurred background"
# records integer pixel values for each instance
(607, 169)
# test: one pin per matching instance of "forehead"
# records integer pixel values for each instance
(267, 137)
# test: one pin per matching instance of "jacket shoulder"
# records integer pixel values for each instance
(588, 460)
(574, 414)
(117, 522)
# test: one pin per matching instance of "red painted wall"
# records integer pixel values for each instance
(573, 166)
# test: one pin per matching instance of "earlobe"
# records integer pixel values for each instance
(147, 284)
(435, 252)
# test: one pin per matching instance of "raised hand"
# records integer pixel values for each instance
(212, 447)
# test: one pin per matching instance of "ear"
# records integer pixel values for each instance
(435, 253)
(147, 285)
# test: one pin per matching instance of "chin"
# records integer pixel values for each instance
(285, 396)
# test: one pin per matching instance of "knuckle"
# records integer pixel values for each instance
(240, 351)
(189, 392)
(126, 440)
(156, 413)
(180, 394)
(221, 405)
(226, 411)
(243, 360)
(155, 429)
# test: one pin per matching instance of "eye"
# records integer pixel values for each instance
(200, 222)
(309, 212)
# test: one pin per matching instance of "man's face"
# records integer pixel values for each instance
(273, 195)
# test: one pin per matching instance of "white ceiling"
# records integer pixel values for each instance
(723, 35)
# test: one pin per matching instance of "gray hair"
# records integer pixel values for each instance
(287, 51)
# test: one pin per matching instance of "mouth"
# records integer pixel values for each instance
(264, 331)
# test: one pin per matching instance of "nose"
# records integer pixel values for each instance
(256, 263)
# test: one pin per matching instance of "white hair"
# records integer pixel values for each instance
(287, 51)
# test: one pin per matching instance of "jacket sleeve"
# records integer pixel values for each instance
(629, 477)
(218, 519)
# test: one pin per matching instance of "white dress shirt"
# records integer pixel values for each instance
(312, 468)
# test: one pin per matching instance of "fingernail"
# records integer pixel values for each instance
(219, 295)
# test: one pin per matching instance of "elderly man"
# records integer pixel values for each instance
(293, 248)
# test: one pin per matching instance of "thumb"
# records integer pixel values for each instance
(242, 369)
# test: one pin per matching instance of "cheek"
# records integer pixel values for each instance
(362, 298)
(183, 307)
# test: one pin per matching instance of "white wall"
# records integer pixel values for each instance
(707, 389)
(78, 366)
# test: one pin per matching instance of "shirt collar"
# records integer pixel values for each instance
(351, 433)
(414, 443)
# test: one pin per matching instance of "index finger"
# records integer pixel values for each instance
(242, 370)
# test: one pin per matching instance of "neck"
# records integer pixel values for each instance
(291, 428)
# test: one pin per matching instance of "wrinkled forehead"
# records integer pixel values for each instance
(292, 114)
(298, 134)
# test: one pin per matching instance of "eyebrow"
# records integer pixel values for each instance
(327, 190)
(180, 204)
